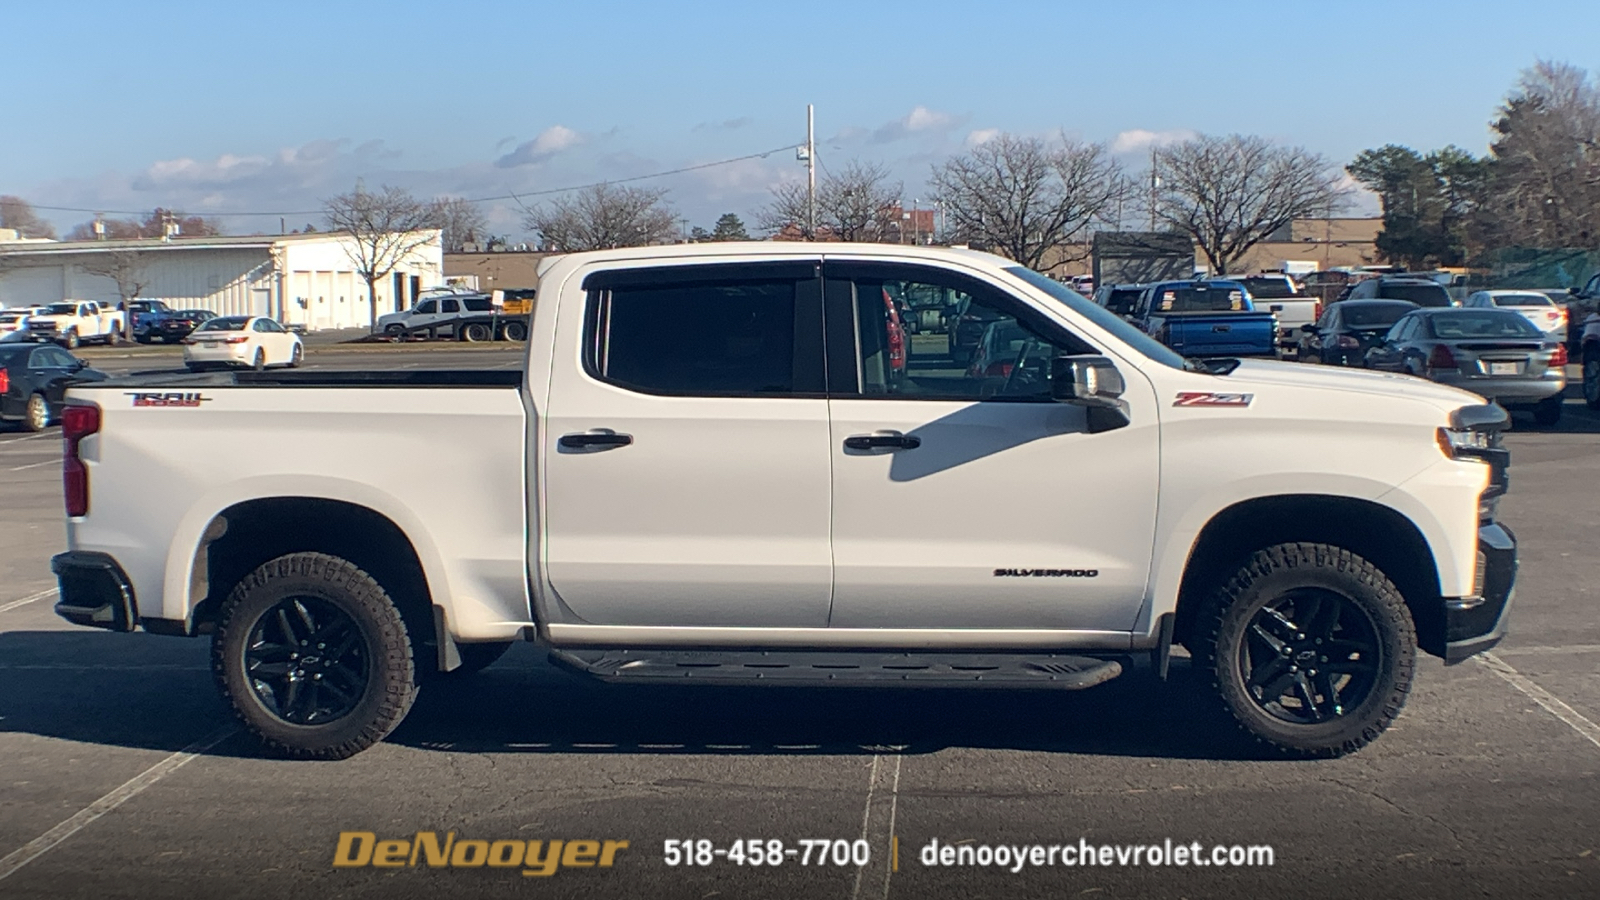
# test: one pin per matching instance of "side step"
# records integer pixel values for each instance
(800, 668)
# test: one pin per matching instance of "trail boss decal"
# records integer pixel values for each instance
(1211, 398)
(1046, 573)
(170, 399)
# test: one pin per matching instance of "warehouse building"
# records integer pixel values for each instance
(303, 280)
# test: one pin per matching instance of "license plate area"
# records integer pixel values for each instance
(1504, 368)
(209, 345)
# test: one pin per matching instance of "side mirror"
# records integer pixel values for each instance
(1309, 328)
(1094, 383)
(78, 365)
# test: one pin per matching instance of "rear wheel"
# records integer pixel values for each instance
(1548, 411)
(314, 657)
(1591, 377)
(516, 331)
(37, 415)
(1310, 648)
(476, 331)
(260, 362)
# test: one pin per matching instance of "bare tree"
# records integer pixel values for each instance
(1025, 197)
(857, 204)
(385, 227)
(459, 222)
(1231, 193)
(1546, 160)
(604, 216)
(155, 224)
(128, 269)
(18, 213)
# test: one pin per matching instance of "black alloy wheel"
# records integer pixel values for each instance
(306, 661)
(1310, 655)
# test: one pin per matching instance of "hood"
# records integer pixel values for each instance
(1363, 381)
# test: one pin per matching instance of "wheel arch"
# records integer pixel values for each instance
(1381, 534)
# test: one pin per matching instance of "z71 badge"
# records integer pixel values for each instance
(168, 399)
(1211, 398)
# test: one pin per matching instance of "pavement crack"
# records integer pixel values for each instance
(1398, 807)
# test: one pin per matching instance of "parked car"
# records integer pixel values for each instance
(180, 324)
(1589, 353)
(1119, 298)
(16, 318)
(254, 341)
(72, 322)
(1279, 294)
(438, 312)
(998, 349)
(1494, 353)
(1535, 306)
(1206, 318)
(147, 317)
(693, 489)
(1420, 291)
(1348, 330)
(1582, 305)
(34, 377)
(965, 323)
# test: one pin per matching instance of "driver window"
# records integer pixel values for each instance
(427, 306)
(974, 348)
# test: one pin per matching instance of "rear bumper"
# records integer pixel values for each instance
(94, 591)
(1477, 623)
(1512, 391)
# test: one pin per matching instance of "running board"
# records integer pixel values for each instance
(801, 668)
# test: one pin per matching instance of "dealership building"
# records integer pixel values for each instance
(299, 279)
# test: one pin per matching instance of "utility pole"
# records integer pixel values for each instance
(811, 173)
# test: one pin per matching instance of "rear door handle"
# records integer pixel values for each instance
(603, 440)
(882, 440)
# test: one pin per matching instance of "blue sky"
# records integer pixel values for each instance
(222, 107)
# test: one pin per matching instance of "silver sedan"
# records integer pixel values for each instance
(1495, 353)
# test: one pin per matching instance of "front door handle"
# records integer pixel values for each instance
(602, 440)
(882, 440)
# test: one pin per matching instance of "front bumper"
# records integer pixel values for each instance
(94, 591)
(1477, 623)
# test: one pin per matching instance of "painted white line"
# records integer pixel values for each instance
(877, 826)
(48, 462)
(26, 600)
(1545, 651)
(1552, 704)
(32, 437)
(131, 788)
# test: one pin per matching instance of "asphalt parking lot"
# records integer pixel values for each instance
(123, 776)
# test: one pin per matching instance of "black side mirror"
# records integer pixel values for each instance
(1094, 383)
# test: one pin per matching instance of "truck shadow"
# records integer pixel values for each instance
(148, 692)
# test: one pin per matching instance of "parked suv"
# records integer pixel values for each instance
(1420, 291)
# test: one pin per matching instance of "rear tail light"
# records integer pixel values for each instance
(1441, 358)
(1559, 358)
(1316, 311)
(237, 339)
(77, 423)
(5, 380)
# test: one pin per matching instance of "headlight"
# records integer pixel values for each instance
(1465, 444)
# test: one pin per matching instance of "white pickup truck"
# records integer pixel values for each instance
(720, 466)
(72, 322)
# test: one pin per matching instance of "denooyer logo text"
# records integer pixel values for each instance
(358, 849)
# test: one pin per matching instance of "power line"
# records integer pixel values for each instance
(515, 197)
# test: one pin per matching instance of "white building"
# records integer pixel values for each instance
(298, 279)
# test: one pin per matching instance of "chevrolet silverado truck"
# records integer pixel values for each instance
(710, 471)
(1206, 318)
(73, 322)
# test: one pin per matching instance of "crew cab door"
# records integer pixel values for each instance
(963, 496)
(686, 448)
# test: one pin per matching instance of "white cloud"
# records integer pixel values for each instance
(1139, 139)
(921, 119)
(981, 136)
(546, 144)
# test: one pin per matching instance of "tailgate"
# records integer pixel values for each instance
(1222, 334)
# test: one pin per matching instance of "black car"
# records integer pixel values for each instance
(179, 324)
(34, 376)
(1348, 330)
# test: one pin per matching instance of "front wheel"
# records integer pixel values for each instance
(1591, 377)
(37, 415)
(395, 331)
(1310, 649)
(296, 356)
(70, 340)
(314, 657)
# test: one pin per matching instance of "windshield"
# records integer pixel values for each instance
(1270, 288)
(1420, 294)
(1522, 300)
(225, 323)
(1375, 315)
(1482, 324)
(1103, 318)
(61, 309)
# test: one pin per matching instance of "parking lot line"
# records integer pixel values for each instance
(48, 462)
(883, 789)
(1552, 704)
(1542, 651)
(26, 600)
(31, 437)
(131, 788)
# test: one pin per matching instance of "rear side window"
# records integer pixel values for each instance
(478, 304)
(706, 339)
(450, 306)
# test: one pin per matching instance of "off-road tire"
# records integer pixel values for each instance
(1268, 576)
(391, 684)
(37, 416)
(1548, 411)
